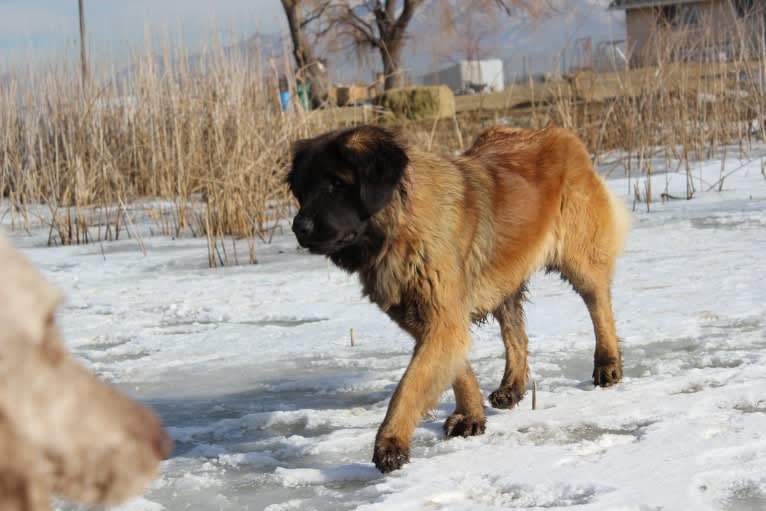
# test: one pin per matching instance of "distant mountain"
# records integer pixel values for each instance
(268, 45)
(524, 45)
(265, 45)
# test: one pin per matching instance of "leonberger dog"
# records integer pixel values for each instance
(439, 243)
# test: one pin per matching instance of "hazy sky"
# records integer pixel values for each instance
(32, 30)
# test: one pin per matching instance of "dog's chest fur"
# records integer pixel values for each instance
(400, 283)
(422, 261)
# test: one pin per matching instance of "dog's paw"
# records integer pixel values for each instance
(607, 371)
(505, 397)
(389, 456)
(458, 424)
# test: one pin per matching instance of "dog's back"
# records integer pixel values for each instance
(548, 196)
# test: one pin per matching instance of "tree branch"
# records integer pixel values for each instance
(362, 29)
(410, 6)
(316, 14)
(391, 9)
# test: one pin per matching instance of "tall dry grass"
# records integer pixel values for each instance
(199, 145)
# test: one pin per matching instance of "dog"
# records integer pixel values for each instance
(62, 431)
(441, 243)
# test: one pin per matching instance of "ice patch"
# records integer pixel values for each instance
(139, 504)
(285, 506)
(292, 477)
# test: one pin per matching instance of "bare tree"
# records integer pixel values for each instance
(382, 25)
(307, 22)
(465, 31)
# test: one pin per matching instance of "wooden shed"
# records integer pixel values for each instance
(693, 30)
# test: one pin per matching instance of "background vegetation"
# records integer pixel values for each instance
(199, 146)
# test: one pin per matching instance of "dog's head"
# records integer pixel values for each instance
(82, 439)
(341, 179)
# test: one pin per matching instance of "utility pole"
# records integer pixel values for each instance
(83, 51)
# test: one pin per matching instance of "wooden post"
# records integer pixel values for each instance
(83, 50)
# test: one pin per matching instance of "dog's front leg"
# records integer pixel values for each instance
(440, 354)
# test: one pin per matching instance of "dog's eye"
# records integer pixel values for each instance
(336, 184)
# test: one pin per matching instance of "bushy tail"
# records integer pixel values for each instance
(621, 219)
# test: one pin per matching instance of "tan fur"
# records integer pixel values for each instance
(360, 140)
(62, 431)
(462, 238)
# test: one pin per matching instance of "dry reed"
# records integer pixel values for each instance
(197, 145)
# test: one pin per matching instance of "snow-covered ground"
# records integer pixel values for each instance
(252, 370)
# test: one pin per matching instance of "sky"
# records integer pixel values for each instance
(40, 28)
(36, 30)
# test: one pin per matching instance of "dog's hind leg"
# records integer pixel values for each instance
(510, 315)
(468, 418)
(592, 283)
(592, 227)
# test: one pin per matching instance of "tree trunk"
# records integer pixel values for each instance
(392, 32)
(391, 53)
(316, 73)
(309, 68)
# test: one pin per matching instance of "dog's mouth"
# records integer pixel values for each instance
(328, 247)
(349, 238)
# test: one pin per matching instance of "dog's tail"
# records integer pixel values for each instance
(621, 219)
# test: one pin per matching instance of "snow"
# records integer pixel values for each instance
(252, 371)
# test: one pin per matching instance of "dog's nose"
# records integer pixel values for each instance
(302, 226)
(162, 443)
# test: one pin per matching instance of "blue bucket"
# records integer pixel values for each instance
(284, 98)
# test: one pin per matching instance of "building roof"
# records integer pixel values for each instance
(635, 4)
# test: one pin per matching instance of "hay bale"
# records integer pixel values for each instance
(419, 103)
(348, 95)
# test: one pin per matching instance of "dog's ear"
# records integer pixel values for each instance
(298, 152)
(300, 147)
(379, 161)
